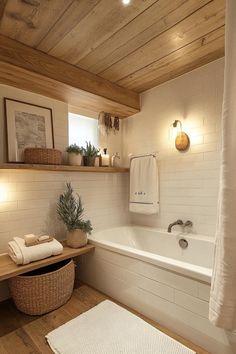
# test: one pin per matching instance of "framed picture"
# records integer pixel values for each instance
(28, 125)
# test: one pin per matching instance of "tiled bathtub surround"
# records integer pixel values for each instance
(177, 302)
(188, 181)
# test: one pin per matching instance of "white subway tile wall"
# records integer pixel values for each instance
(31, 201)
(189, 181)
(28, 199)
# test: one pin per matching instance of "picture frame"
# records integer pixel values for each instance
(27, 125)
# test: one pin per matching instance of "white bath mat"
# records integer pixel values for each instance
(109, 329)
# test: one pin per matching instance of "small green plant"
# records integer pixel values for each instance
(70, 211)
(74, 148)
(90, 150)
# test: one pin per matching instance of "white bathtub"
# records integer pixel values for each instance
(146, 269)
(161, 248)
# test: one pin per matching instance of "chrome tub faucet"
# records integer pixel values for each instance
(188, 223)
(178, 222)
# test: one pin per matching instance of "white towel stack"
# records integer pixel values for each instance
(21, 254)
(144, 190)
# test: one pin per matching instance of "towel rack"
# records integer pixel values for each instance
(154, 154)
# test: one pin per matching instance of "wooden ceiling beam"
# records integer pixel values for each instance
(82, 100)
(47, 72)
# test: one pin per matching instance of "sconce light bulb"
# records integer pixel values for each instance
(3, 193)
(176, 128)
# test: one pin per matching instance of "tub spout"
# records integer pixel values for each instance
(178, 222)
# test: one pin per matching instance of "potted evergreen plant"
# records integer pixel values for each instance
(90, 153)
(70, 211)
(75, 153)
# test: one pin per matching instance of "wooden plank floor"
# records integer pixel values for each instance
(23, 334)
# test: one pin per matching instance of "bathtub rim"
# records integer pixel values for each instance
(180, 234)
(192, 271)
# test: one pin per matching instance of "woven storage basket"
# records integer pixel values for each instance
(45, 289)
(42, 156)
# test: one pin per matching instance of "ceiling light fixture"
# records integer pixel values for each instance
(125, 2)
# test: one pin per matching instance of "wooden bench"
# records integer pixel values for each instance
(8, 269)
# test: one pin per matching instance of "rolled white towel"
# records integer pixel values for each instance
(43, 238)
(15, 252)
(21, 254)
(30, 239)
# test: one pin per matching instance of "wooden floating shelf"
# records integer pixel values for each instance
(8, 269)
(65, 168)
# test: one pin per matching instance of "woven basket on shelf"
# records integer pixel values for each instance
(43, 156)
(45, 289)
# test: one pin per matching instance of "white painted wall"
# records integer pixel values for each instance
(188, 181)
(28, 199)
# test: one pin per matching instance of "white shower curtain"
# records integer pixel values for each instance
(223, 290)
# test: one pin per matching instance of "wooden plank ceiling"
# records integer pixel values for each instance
(137, 46)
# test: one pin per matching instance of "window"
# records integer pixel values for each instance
(82, 129)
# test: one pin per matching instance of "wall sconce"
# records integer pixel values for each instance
(182, 140)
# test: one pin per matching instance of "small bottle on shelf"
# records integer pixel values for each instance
(105, 158)
(115, 160)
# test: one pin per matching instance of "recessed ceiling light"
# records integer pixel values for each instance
(126, 2)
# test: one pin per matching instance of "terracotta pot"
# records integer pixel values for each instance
(74, 159)
(89, 160)
(76, 238)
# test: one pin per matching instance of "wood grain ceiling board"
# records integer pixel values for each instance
(106, 18)
(195, 54)
(156, 19)
(136, 46)
(28, 21)
(201, 22)
(71, 17)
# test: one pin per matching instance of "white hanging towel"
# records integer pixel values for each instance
(144, 189)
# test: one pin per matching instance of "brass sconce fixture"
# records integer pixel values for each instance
(182, 140)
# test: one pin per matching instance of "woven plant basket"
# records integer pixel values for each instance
(43, 156)
(43, 290)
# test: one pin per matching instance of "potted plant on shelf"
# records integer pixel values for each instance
(90, 153)
(75, 153)
(70, 211)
